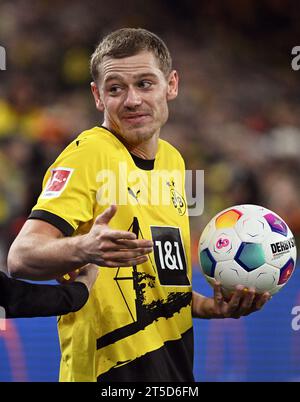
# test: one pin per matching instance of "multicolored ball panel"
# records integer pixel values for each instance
(276, 224)
(228, 219)
(208, 262)
(286, 271)
(250, 256)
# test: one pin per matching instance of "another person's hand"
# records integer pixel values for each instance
(69, 277)
(87, 275)
(242, 302)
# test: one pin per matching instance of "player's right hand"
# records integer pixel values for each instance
(112, 248)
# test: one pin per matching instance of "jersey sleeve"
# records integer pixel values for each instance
(68, 194)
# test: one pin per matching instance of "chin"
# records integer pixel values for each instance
(137, 136)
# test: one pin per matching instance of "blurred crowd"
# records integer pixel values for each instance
(237, 116)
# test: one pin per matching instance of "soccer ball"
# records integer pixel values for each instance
(247, 245)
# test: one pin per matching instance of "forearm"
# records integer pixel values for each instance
(22, 299)
(39, 257)
(41, 252)
(203, 307)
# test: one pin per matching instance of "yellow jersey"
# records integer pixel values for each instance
(137, 323)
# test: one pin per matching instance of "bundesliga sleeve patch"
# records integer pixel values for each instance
(57, 182)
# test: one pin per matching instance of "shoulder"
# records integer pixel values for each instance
(95, 138)
(170, 151)
(91, 144)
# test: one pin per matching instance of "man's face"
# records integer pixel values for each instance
(133, 93)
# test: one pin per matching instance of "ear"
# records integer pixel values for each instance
(96, 95)
(172, 90)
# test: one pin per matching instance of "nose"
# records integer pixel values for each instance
(133, 98)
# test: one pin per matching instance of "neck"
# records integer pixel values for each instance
(145, 150)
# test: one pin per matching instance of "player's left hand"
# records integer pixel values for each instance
(240, 303)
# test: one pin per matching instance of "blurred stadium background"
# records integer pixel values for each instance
(237, 117)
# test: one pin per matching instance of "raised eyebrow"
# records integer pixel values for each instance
(135, 77)
(113, 77)
(144, 75)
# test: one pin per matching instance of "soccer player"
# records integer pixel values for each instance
(137, 323)
(23, 299)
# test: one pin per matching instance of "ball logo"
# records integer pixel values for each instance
(283, 247)
(221, 243)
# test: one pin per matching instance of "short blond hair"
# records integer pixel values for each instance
(128, 42)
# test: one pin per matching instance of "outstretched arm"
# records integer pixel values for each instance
(23, 299)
